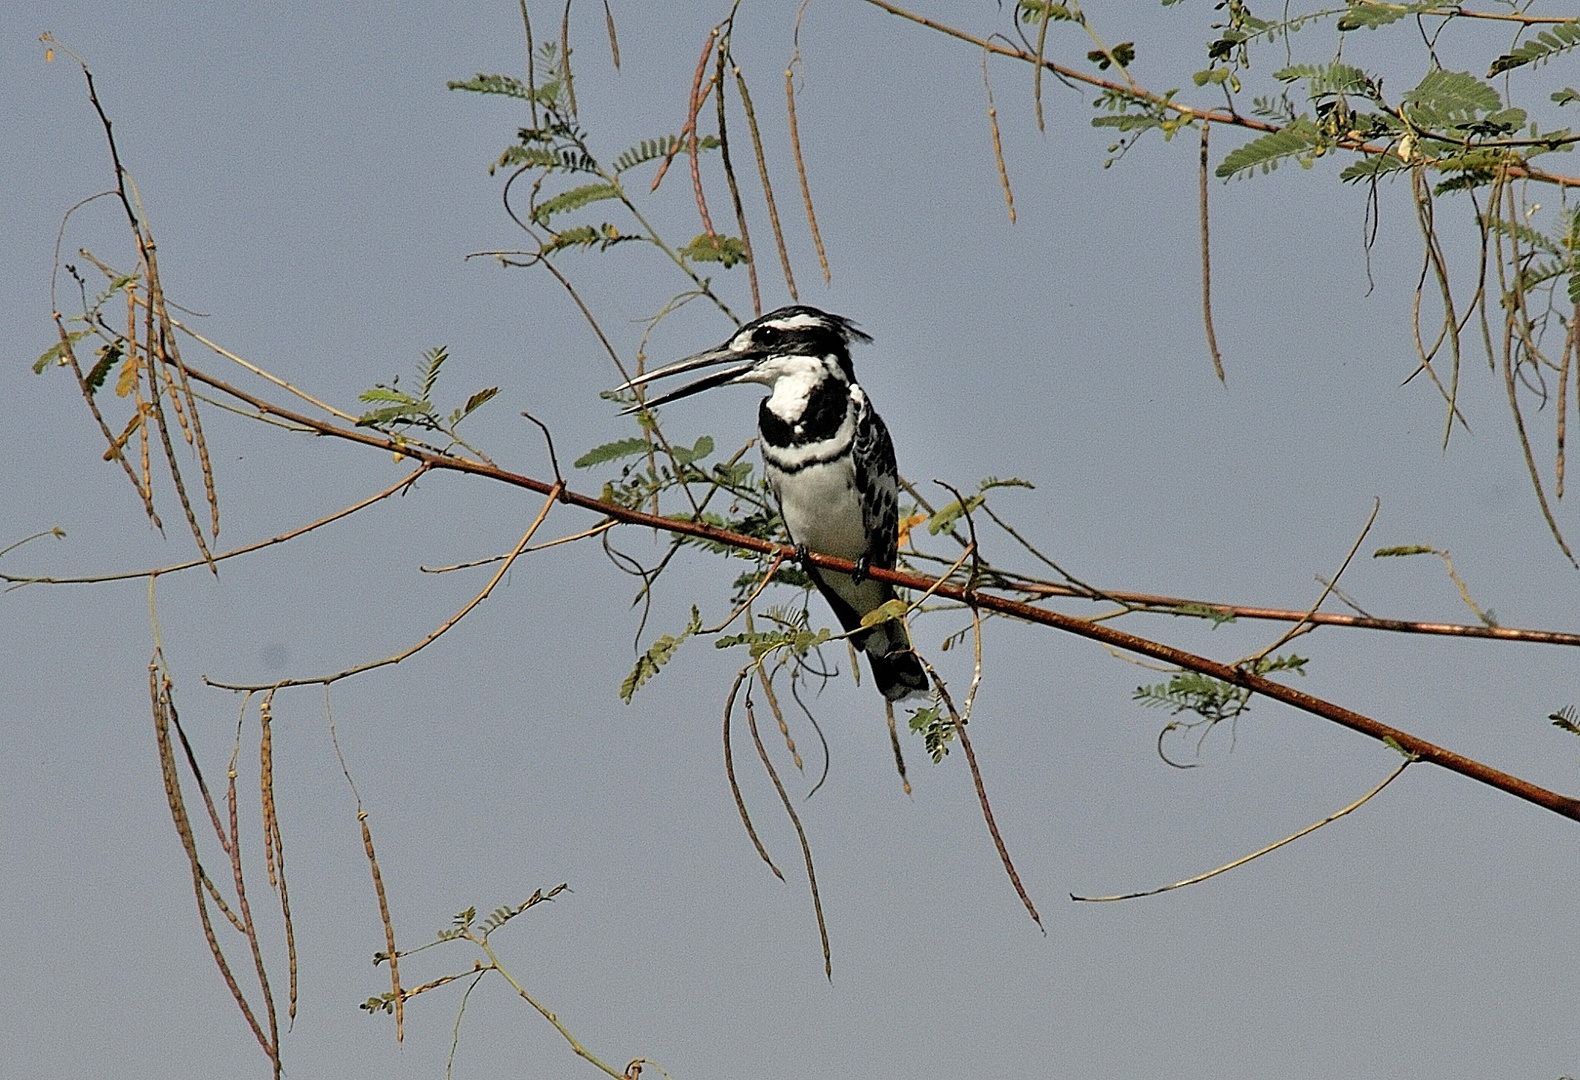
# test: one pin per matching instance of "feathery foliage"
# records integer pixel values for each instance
(1539, 49)
(658, 654)
(1212, 699)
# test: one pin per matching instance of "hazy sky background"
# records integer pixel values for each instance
(314, 189)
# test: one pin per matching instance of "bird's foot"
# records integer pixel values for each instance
(858, 575)
(803, 555)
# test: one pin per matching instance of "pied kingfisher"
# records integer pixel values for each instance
(829, 462)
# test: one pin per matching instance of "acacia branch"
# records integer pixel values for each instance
(1564, 805)
(1205, 116)
(1178, 605)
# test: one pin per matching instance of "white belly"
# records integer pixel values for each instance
(821, 509)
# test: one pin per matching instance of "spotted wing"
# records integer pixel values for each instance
(877, 483)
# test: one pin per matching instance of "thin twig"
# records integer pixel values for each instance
(554, 494)
(393, 954)
(729, 772)
(762, 172)
(894, 743)
(729, 176)
(998, 143)
(18, 580)
(795, 819)
(601, 527)
(800, 167)
(1356, 805)
(982, 797)
(1206, 262)
(1305, 622)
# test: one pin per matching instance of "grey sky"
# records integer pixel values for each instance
(314, 189)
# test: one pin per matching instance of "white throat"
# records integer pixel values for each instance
(793, 378)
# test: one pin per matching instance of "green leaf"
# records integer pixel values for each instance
(889, 609)
(1372, 168)
(660, 653)
(544, 157)
(1539, 49)
(56, 353)
(375, 417)
(991, 482)
(728, 250)
(477, 400)
(653, 149)
(1289, 662)
(1329, 79)
(797, 639)
(1523, 233)
(1448, 98)
(613, 451)
(704, 447)
(573, 199)
(1567, 96)
(1032, 12)
(109, 356)
(1189, 691)
(433, 360)
(1127, 122)
(604, 236)
(1567, 719)
(1123, 54)
(1267, 152)
(1368, 15)
(1217, 615)
(387, 393)
(1465, 180)
(504, 85)
(945, 518)
(936, 730)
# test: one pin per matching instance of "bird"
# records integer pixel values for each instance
(829, 462)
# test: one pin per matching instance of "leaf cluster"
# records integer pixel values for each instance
(937, 729)
(1211, 699)
(397, 411)
(1539, 48)
(796, 638)
(658, 654)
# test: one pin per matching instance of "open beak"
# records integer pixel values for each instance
(721, 355)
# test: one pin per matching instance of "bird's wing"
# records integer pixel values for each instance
(877, 483)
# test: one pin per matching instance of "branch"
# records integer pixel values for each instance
(1562, 805)
(1205, 116)
(1242, 860)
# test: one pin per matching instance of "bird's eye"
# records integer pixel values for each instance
(767, 335)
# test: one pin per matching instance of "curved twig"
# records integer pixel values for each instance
(1356, 805)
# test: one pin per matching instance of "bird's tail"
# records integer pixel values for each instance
(898, 675)
(896, 669)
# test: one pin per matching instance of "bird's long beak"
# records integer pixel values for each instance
(721, 355)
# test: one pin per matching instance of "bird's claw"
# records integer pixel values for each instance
(858, 575)
(803, 555)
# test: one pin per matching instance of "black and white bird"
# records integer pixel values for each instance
(829, 462)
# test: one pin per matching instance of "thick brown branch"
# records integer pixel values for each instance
(1559, 804)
